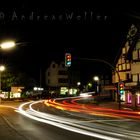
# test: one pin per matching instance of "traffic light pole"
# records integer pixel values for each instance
(100, 60)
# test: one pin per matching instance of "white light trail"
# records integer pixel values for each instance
(66, 124)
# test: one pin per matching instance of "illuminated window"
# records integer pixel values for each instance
(128, 65)
(120, 61)
(138, 44)
(139, 53)
(123, 60)
(123, 50)
(124, 66)
(135, 55)
(127, 48)
(120, 67)
(135, 77)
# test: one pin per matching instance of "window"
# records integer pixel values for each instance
(62, 80)
(127, 76)
(53, 65)
(124, 66)
(135, 77)
(120, 61)
(123, 50)
(48, 73)
(135, 55)
(128, 65)
(62, 72)
(120, 67)
(138, 44)
(123, 60)
(127, 48)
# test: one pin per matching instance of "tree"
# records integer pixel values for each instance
(10, 79)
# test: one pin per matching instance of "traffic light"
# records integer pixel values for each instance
(67, 59)
(121, 88)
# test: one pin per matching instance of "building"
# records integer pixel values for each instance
(128, 67)
(58, 76)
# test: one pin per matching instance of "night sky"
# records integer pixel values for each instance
(46, 34)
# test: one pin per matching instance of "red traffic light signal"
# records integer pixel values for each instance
(67, 59)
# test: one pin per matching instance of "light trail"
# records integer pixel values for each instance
(72, 105)
(73, 125)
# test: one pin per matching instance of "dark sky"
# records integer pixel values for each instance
(45, 34)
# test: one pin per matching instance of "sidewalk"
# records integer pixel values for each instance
(11, 103)
(115, 105)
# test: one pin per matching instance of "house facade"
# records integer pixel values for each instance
(59, 77)
(127, 68)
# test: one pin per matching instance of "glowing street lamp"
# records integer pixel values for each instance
(2, 68)
(7, 44)
(96, 78)
(78, 83)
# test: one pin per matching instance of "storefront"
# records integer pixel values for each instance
(129, 97)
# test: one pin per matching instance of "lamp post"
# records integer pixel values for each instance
(96, 78)
(4, 46)
(2, 68)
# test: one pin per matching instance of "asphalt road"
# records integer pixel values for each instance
(14, 126)
(59, 124)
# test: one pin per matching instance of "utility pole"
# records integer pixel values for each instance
(40, 77)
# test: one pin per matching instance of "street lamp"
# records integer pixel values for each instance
(4, 46)
(78, 83)
(2, 68)
(96, 78)
(7, 44)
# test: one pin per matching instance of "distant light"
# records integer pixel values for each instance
(35, 88)
(78, 83)
(7, 44)
(96, 78)
(38, 88)
(2, 68)
(89, 84)
(86, 94)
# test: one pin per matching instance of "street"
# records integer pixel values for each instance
(14, 126)
(51, 121)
